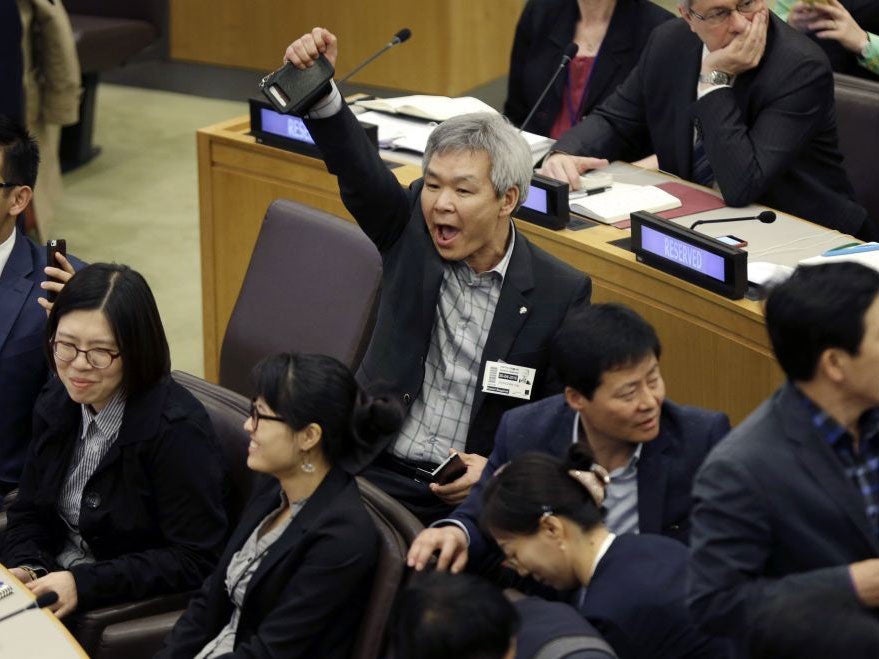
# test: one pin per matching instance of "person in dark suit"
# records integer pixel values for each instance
(556, 630)
(789, 501)
(23, 367)
(460, 286)
(610, 36)
(614, 401)
(632, 588)
(732, 97)
(295, 576)
(121, 497)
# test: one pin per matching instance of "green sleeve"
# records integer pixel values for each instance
(870, 60)
(782, 8)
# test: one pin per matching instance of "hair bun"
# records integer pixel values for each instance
(579, 457)
(376, 416)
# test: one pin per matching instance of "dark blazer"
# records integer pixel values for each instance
(152, 513)
(412, 273)
(544, 29)
(771, 138)
(552, 630)
(665, 470)
(637, 600)
(308, 593)
(23, 369)
(773, 510)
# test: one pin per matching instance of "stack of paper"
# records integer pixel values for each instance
(621, 201)
(429, 108)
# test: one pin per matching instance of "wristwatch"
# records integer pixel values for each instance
(715, 78)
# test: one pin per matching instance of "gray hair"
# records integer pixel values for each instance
(507, 150)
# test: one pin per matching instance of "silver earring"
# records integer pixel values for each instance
(306, 466)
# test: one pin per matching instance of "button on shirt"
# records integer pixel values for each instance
(439, 417)
(861, 468)
(99, 431)
(621, 495)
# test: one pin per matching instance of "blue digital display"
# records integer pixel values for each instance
(683, 253)
(284, 125)
(536, 200)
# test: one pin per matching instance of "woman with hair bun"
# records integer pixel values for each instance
(543, 514)
(296, 574)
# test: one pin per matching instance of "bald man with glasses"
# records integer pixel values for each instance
(733, 98)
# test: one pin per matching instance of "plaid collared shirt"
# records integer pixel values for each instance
(861, 468)
(440, 416)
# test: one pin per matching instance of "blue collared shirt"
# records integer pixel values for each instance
(861, 468)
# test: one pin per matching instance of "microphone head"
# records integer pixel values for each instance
(766, 217)
(570, 51)
(46, 599)
(401, 36)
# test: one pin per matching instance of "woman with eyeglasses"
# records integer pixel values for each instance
(632, 588)
(295, 577)
(121, 497)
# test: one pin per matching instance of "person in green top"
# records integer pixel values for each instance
(831, 21)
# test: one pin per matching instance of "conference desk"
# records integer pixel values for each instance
(32, 633)
(716, 353)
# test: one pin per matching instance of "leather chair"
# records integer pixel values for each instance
(857, 112)
(102, 632)
(107, 35)
(311, 286)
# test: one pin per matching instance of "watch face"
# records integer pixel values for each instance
(718, 78)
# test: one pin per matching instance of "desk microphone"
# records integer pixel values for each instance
(44, 600)
(766, 217)
(397, 39)
(567, 56)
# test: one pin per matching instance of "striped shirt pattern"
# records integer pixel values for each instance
(440, 416)
(861, 468)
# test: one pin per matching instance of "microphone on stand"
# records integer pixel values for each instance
(397, 39)
(44, 600)
(568, 54)
(766, 217)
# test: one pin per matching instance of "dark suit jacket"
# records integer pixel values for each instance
(665, 470)
(637, 600)
(544, 29)
(413, 272)
(559, 626)
(308, 593)
(772, 510)
(23, 369)
(152, 513)
(771, 138)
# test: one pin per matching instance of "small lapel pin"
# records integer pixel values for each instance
(522, 310)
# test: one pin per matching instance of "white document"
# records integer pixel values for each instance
(621, 201)
(430, 108)
(508, 380)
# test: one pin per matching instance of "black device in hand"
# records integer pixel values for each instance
(54, 247)
(294, 91)
(452, 469)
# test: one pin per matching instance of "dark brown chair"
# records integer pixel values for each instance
(107, 34)
(101, 632)
(311, 286)
(857, 112)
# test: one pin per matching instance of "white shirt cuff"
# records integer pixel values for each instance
(452, 522)
(328, 106)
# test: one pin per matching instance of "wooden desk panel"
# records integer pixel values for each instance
(716, 352)
(444, 56)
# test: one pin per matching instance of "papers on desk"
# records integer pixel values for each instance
(407, 121)
(621, 201)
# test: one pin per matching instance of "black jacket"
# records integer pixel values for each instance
(544, 29)
(152, 512)
(537, 292)
(310, 590)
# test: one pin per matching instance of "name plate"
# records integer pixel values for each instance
(691, 256)
(546, 204)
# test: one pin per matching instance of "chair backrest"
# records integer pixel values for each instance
(227, 411)
(857, 111)
(312, 286)
(372, 634)
(404, 522)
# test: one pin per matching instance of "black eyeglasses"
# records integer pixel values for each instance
(9, 185)
(99, 358)
(717, 16)
(256, 415)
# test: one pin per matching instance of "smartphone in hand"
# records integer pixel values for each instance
(452, 469)
(53, 247)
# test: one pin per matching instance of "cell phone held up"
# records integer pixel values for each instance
(294, 91)
(54, 247)
(450, 470)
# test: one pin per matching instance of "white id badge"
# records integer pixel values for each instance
(508, 380)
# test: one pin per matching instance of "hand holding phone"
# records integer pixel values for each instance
(451, 469)
(54, 247)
